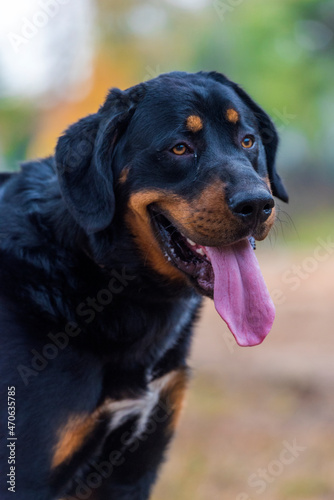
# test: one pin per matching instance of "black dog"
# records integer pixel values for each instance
(106, 249)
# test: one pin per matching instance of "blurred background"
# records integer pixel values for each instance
(258, 422)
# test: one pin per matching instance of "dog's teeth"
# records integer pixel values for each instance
(191, 242)
(200, 251)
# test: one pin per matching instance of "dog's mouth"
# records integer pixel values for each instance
(185, 254)
(229, 274)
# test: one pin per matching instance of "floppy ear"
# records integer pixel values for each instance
(84, 161)
(268, 135)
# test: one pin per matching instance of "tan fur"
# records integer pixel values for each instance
(174, 395)
(124, 175)
(232, 115)
(194, 123)
(72, 437)
(263, 231)
(138, 220)
(206, 220)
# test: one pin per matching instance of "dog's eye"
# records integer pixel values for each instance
(247, 142)
(179, 149)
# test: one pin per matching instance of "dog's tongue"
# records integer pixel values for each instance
(240, 293)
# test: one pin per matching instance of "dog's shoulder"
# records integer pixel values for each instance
(28, 184)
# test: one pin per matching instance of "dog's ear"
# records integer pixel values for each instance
(84, 160)
(268, 134)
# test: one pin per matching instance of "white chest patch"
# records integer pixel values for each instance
(123, 410)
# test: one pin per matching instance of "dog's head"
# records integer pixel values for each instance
(193, 157)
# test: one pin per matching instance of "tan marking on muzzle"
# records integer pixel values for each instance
(138, 220)
(206, 219)
(263, 231)
(267, 181)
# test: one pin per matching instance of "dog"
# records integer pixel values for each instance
(107, 249)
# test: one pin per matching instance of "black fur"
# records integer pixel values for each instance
(63, 239)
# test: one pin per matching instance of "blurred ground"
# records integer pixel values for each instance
(246, 405)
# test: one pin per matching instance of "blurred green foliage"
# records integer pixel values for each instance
(17, 128)
(282, 53)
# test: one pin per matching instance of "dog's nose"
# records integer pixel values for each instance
(252, 207)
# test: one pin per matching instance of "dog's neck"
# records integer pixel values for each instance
(56, 247)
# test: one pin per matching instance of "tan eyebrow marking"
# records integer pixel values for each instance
(124, 175)
(194, 123)
(232, 115)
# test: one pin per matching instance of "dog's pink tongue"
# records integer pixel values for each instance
(240, 293)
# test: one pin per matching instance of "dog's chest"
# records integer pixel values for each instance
(145, 410)
(135, 417)
(130, 410)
